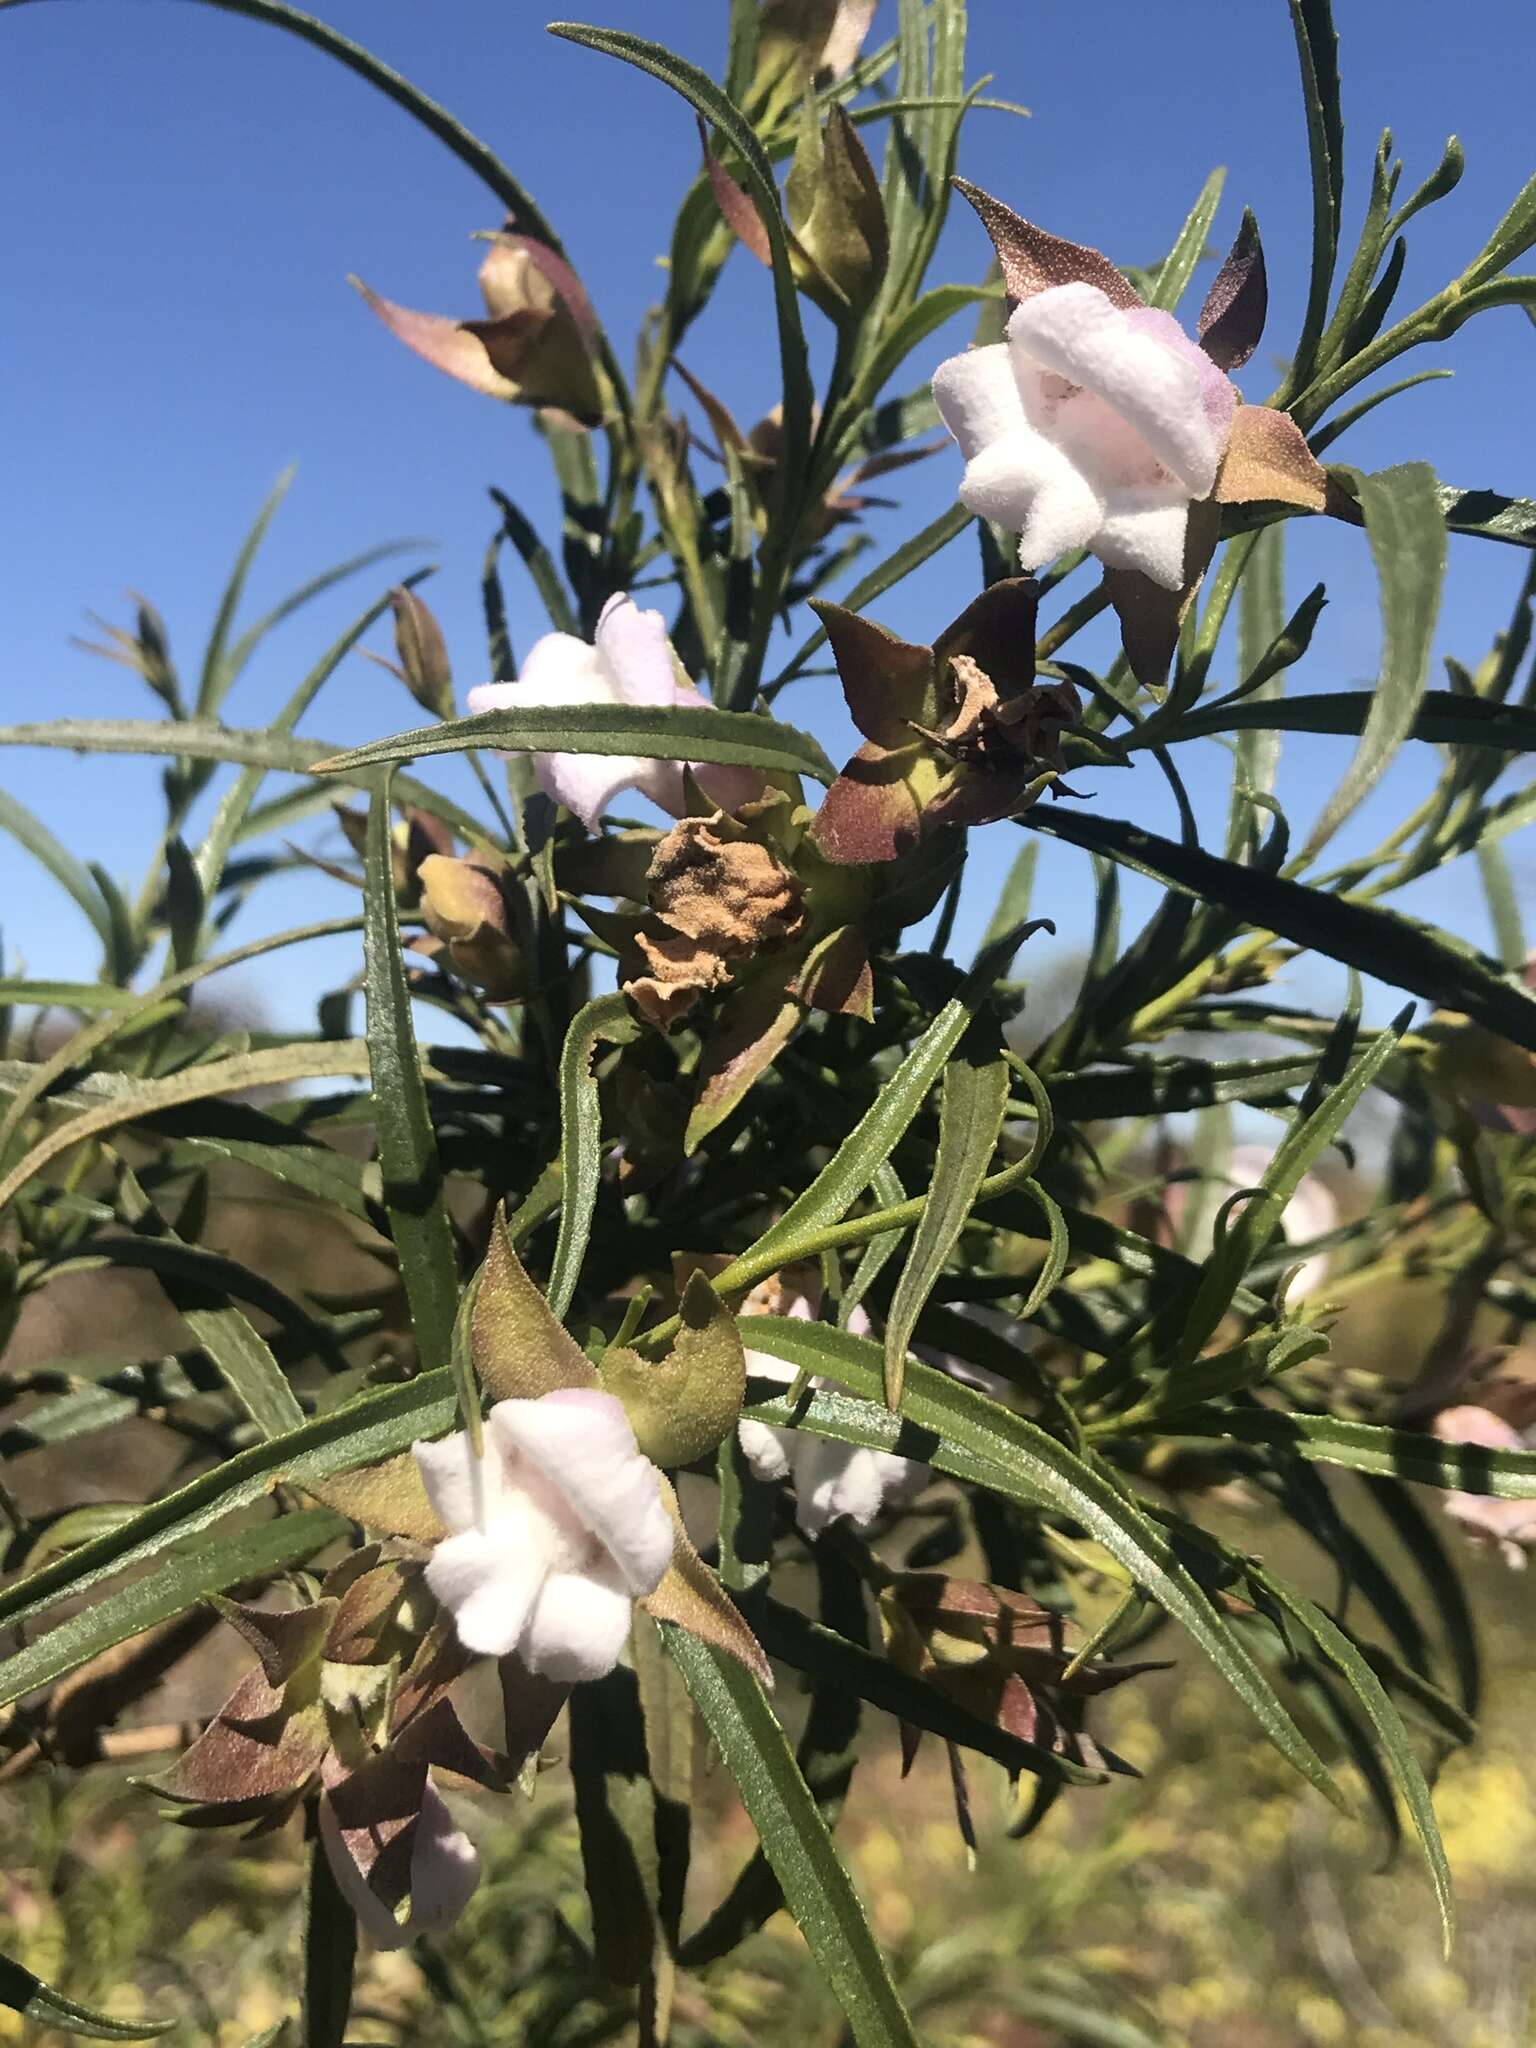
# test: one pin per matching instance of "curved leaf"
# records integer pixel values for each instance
(962, 1433)
(606, 1019)
(973, 1101)
(35, 2000)
(413, 1178)
(817, 1889)
(184, 1577)
(660, 732)
(1399, 952)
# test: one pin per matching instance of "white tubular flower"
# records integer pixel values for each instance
(445, 1868)
(1509, 1525)
(631, 662)
(832, 1482)
(1093, 425)
(554, 1532)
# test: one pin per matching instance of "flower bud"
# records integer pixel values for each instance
(837, 216)
(465, 906)
(422, 653)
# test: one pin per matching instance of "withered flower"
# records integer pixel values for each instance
(538, 343)
(957, 733)
(1099, 423)
(349, 1703)
(720, 894)
(1000, 1655)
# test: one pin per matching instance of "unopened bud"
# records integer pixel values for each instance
(465, 906)
(422, 653)
(837, 215)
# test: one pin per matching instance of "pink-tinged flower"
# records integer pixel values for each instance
(832, 1482)
(631, 662)
(1093, 425)
(553, 1533)
(1508, 1524)
(1099, 423)
(1311, 1212)
(444, 1870)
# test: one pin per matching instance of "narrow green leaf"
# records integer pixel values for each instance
(131, 1101)
(66, 995)
(1445, 718)
(1260, 623)
(1370, 1447)
(827, 1753)
(372, 1427)
(1012, 907)
(207, 742)
(1403, 954)
(330, 1952)
(1252, 1225)
(233, 809)
(413, 1179)
(181, 1578)
(1338, 1648)
(1490, 514)
(1407, 536)
(215, 679)
(878, 1132)
(71, 874)
(706, 98)
(662, 733)
(1317, 51)
(1443, 1582)
(974, 1439)
(1503, 903)
(605, 1019)
(245, 1362)
(37, 2001)
(817, 1889)
(539, 563)
(973, 1101)
(1178, 266)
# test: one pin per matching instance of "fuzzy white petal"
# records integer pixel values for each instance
(765, 1448)
(581, 1440)
(631, 662)
(978, 397)
(578, 1627)
(445, 1868)
(489, 1585)
(466, 1492)
(1074, 330)
(635, 654)
(1145, 530)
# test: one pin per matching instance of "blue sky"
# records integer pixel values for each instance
(188, 192)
